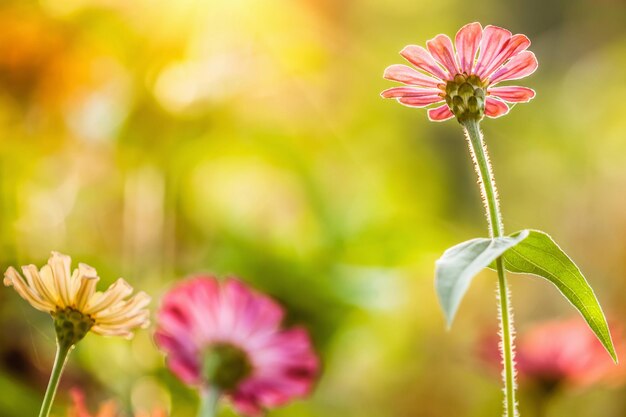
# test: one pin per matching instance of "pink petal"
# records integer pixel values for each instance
(186, 371)
(174, 343)
(420, 57)
(514, 46)
(396, 92)
(408, 75)
(285, 366)
(203, 301)
(494, 40)
(419, 101)
(495, 108)
(247, 405)
(290, 350)
(439, 114)
(467, 41)
(520, 66)
(440, 47)
(512, 94)
(256, 315)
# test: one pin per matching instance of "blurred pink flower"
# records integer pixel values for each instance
(107, 409)
(227, 336)
(566, 351)
(483, 58)
(563, 352)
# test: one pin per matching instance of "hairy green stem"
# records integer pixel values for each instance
(60, 360)
(209, 397)
(489, 193)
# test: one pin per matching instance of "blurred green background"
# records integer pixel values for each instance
(154, 139)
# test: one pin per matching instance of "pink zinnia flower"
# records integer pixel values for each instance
(566, 351)
(228, 337)
(561, 352)
(465, 79)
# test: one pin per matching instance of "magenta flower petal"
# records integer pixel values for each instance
(513, 94)
(247, 404)
(251, 316)
(414, 97)
(439, 114)
(200, 315)
(408, 75)
(441, 48)
(187, 369)
(514, 46)
(275, 387)
(495, 108)
(419, 101)
(467, 41)
(420, 57)
(493, 42)
(396, 92)
(520, 66)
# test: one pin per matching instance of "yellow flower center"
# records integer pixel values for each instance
(465, 95)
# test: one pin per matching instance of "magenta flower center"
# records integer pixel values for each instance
(465, 95)
(225, 366)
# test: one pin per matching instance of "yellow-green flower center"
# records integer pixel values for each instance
(465, 95)
(225, 366)
(71, 325)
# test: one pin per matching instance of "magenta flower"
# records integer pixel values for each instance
(227, 337)
(560, 353)
(465, 79)
(566, 352)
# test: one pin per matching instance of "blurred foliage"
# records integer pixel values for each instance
(155, 139)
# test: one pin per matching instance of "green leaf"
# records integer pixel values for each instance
(539, 255)
(457, 267)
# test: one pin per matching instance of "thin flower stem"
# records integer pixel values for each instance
(489, 193)
(209, 397)
(60, 360)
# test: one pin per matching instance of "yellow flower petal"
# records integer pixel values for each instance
(36, 282)
(124, 309)
(60, 266)
(111, 331)
(87, 279)
(119, 290)
(12, 277)
(139, 319)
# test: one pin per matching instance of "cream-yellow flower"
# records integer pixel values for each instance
(72, 300)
